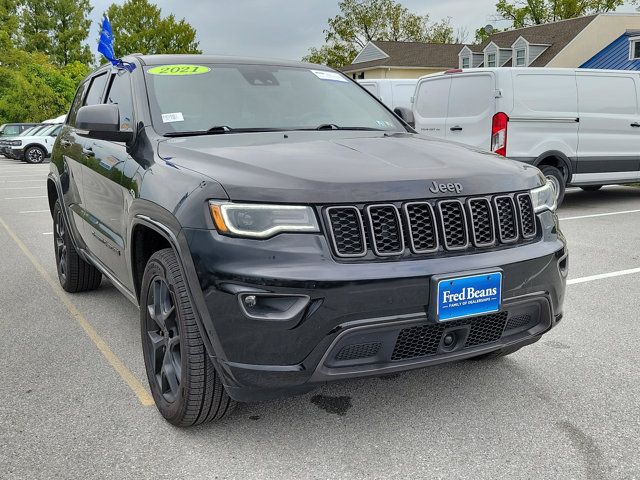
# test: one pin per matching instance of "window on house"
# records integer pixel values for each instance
(491, 60)
(635, 50)
(466, 62)
(520, 58)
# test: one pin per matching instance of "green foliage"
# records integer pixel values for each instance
(32, 89)
(56, 28)
(361, 21)
(482, 34)
(524, 13)
(138, 27)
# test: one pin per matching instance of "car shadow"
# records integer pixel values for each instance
(577, 199)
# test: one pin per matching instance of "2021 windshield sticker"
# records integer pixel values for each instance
(179, 70)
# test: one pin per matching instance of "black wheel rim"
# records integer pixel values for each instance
(163, 339)
(35, 155)
(60, 246)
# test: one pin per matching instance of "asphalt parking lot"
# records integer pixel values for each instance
(74, 400)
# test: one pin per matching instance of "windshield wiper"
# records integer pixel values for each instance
(333, 126)
(220, 130)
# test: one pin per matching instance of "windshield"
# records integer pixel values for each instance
(28, 131)
(47, 130)
(198, 98)
(34, 130)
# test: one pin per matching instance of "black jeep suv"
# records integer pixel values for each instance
(279, 227)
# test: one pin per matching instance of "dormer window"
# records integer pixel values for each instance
(491, 60)
(634, 49)
(521, 57)
(466, 62)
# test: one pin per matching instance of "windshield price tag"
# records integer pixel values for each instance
(172, 117)
(332, 76)
(179, 70)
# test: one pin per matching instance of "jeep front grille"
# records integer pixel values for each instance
(427, 227)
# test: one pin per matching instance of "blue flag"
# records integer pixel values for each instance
(105, 46)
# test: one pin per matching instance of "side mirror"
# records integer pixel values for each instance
(406, 115)
(101, 122)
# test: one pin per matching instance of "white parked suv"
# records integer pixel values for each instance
(580, 127)
(33, 148)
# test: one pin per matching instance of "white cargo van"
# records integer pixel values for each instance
(580, 127)
(393, 93)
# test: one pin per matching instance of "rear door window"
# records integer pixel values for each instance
(471, 96)
(433, 98)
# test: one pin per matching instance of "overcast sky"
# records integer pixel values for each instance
(287, 28)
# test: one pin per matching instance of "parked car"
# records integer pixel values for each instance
(279, 228)
(13, 129)
(580, 127)
(35, 147)
(393, 93)
(5, 142)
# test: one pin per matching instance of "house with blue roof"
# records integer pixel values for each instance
(621, 54)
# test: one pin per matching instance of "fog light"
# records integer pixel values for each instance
(272, 306)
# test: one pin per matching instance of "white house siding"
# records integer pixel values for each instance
(368, 53)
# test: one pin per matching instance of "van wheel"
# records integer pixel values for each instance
(184, 383)
(557, 180)
(591, 188)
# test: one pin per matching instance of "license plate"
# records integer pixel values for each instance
(460, 297)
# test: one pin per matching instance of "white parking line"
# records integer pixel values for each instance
(624, 212)
(34, 211)
(23, 198)
(48, 233)
(19, 188)
(593, 278)
(39, 179)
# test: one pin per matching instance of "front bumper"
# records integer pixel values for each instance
(361, 307)
(17, 153)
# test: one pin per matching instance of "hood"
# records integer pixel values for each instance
(343, 167)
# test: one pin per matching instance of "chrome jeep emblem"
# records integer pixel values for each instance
(445, 187)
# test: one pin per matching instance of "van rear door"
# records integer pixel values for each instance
(430, 105)
(472, 104)
(609, 135)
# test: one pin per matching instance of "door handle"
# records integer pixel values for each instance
(88, 152)
(65, 143)
(635, 125)
(457, 128)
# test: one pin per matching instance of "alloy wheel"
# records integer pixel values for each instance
(163, 339)
(35, 155)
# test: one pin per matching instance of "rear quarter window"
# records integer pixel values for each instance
(546, 93)
(607, 95)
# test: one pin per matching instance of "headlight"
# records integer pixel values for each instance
(16, 143)
(262, 221)
(544, 198)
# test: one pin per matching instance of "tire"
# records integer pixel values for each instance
(184, 383)
(503, 352)
(555, 176)
(75, 275)
(591, 188)
(34, 155)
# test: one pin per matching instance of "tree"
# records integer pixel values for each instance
(138, 27)
(9, 18)
(32, 89)
(57, 28)
(362, 21)
(524, 13)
